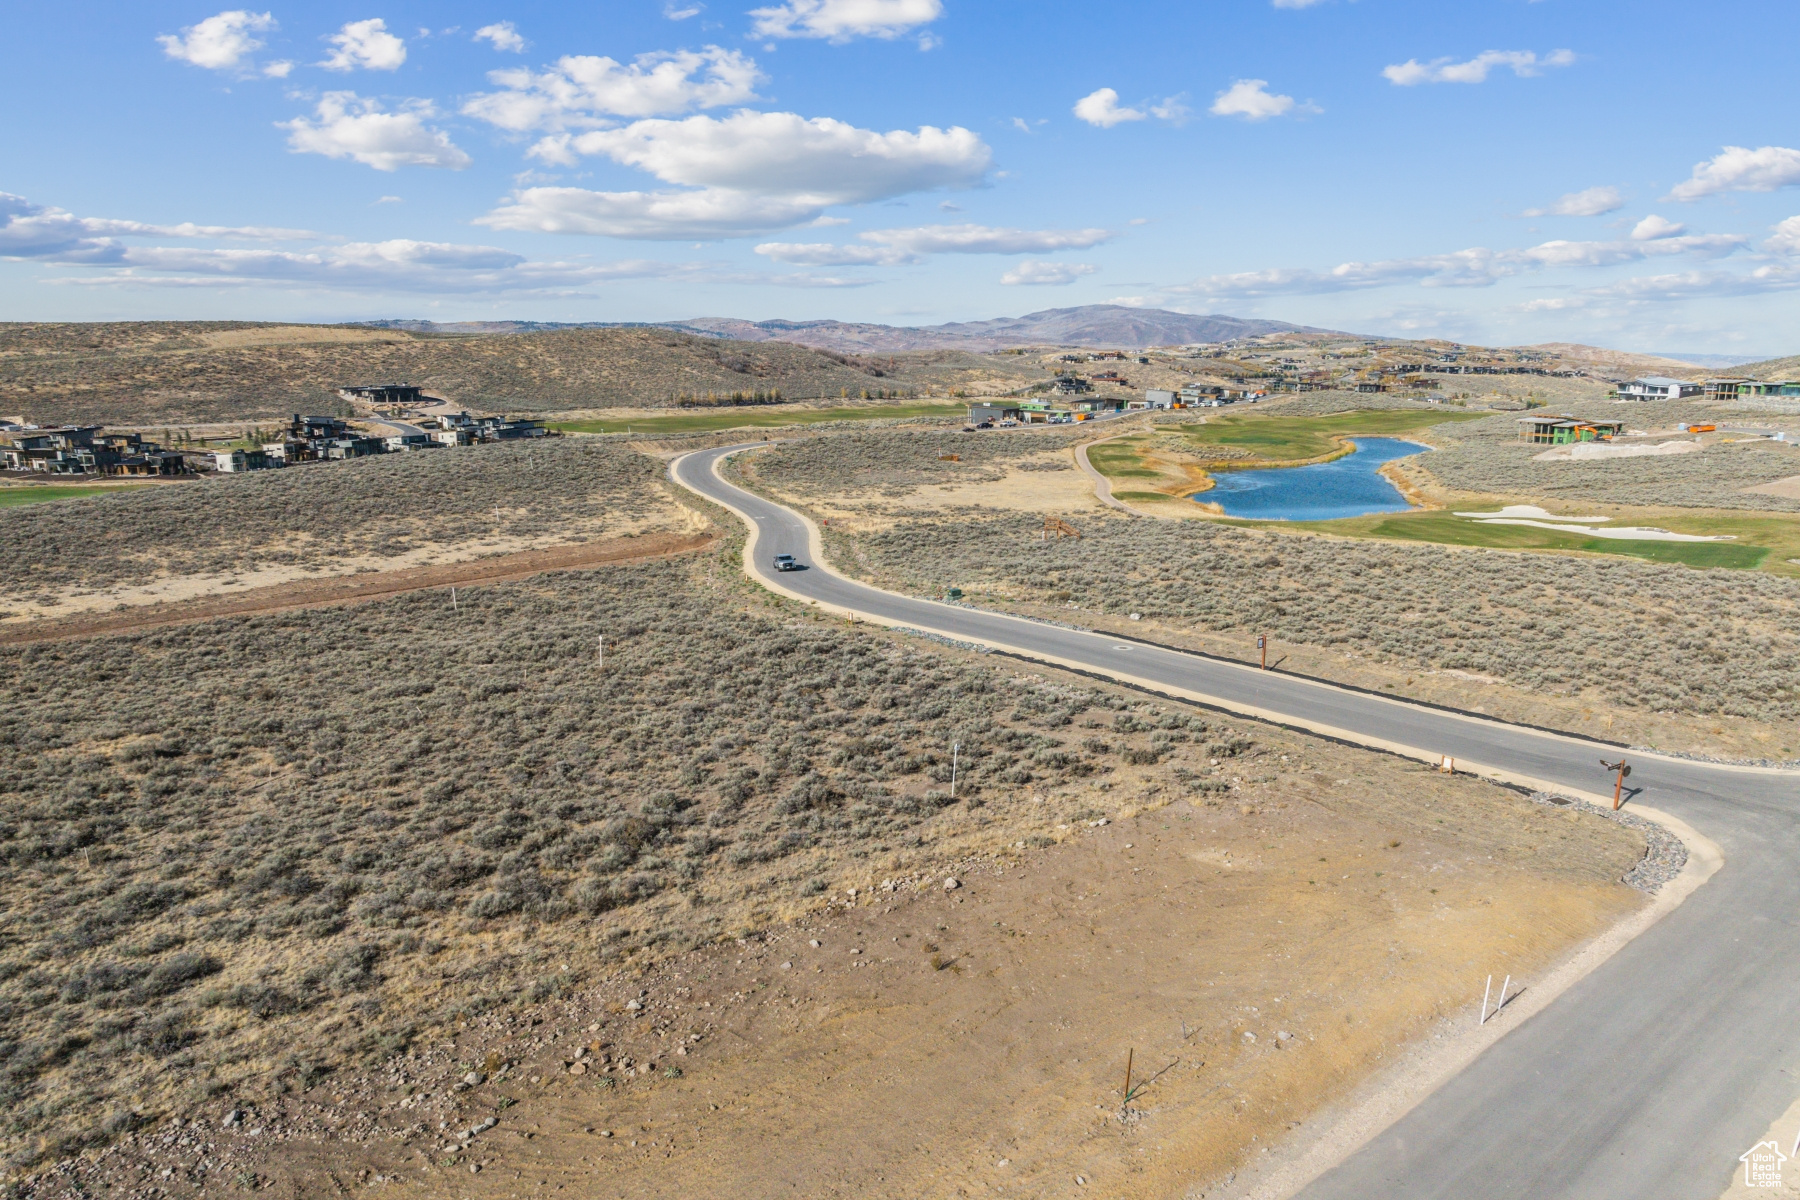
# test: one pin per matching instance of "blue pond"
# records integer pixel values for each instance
(1344, 487)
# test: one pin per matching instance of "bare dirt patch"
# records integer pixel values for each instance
(1258, 955)
(360, 588)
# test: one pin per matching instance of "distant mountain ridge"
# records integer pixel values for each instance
(1099, 326)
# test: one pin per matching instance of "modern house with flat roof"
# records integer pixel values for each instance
(1770, 387)
(1659, 387)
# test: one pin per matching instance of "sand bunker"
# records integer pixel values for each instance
(1787, 489)
(1537, 518)
(1583, 451)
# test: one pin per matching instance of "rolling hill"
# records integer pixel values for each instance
(179, 372)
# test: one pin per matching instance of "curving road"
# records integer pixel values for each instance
(1646, 1079)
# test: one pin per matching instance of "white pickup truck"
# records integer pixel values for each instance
(786, 562)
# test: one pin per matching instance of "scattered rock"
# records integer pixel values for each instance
(787, 966)
(579, 1068)
(856, 950)
(1081, 1180)
(606, 1133)
(815, 943)
(474, 1078)
(951, 884)
(474, 1168)
(1283, 1037)
(233, 1118)
(1249, 1038)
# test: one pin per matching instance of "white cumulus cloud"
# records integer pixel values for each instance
(1523, 63)
(1589, 202)
(893, 246)
(1740, 169)
(1786, 238)
(503, 35)
(1251, 100)
(226, 41)
(753, 173)
(30, 230)
(839, 21)
(1654, 228)
(1477, 266)
(345, 125)
(1033, 272)
(365, 44)
(50, 236)
(581, 91)
(1102, 108)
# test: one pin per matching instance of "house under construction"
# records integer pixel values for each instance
(1560, 431)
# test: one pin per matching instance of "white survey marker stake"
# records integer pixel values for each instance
(1762, 1165)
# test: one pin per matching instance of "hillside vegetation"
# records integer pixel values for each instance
(149, 373)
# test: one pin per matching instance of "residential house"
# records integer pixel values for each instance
(1658, 387)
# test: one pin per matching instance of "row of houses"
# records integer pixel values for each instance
(1661, 387)
(85, 450)
(320, 439)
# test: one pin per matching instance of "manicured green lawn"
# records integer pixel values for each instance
(1460, 531)
(1288, 439)
(1119, 460)
(1762, 542)
(711, 419)
(10, 496)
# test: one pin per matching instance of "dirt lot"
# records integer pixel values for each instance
(1257, 955)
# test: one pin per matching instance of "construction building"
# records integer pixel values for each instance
(1560, 431)
(400, 395)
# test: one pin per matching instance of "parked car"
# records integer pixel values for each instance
(786, 562)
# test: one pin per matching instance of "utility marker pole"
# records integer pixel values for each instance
(1262, 644)
(1128, 1053)
(1619, 783)
(1485, 992)
(954, 747)
(453, 607)
(601, 664)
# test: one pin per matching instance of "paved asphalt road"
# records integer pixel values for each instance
(1646, 1079)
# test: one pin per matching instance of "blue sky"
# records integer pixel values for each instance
(1492, 170)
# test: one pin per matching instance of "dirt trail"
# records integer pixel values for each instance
(356, 589)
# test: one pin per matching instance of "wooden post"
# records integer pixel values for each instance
(1619, 786)
(1127, 1101)
(1262, 644)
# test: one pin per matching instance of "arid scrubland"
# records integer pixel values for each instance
(381, 507)
(145, 373)
(895, 462)
(1487, 457)
(245, 854)
(353, 854)
(1559, 624)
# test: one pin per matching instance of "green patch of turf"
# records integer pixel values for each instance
(1288, 439)
(1118, 460)
(11, 496)
(1141, 497)
(713, 419)
(1445, 529)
